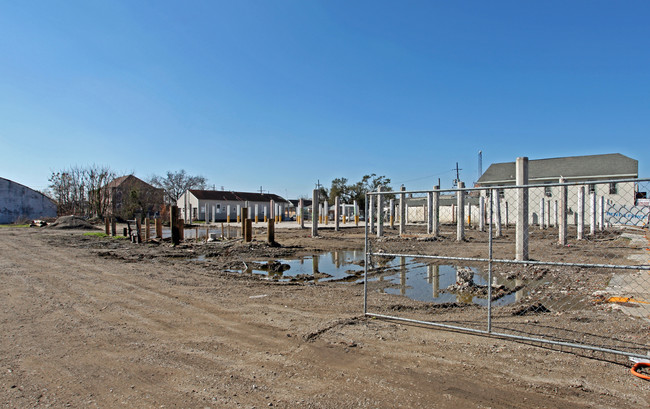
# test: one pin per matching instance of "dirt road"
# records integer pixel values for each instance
(90, 322)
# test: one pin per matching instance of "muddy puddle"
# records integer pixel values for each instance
(413, 278)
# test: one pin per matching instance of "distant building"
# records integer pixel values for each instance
(193, 204)
(18, 202)
(598, 172)
(128, 195)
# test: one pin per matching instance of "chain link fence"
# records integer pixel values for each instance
(558, 263)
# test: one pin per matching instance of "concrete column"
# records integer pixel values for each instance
(370, 217)
(548, 214)
(239, 213)
(314, 213)
(581, 212)
(507, 221)
(481, 213)
(521, 236)
(356, 213)
(460, 208)
(380, 213)
(563, 213)
(542, 222)
(555, 214)
(392, 213)
(326, 213)
(301, 206)
(430, 212)
(228, 214)
(497, 213)
(601, 214)
(592, 214)
(402, 210)
(337, 207)
(435, 204)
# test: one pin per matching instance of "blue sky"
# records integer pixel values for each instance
(280, 94)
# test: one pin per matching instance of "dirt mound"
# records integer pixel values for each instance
(71, 222)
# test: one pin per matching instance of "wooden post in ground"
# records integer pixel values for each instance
(113, 227)
(270, 231)
(222, 235)
(147, 229)
(107, 222)
(173, 223)
(158, 228)
(244, 216)
(196, 233)
(248, 234)
(138, 229)
(181, 229)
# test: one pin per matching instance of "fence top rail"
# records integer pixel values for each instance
(538, 185)
(507, 261)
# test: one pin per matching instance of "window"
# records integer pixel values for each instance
(613, 189)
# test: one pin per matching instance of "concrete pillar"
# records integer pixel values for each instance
(581, 212)
(562, 228)
(257, 213)
(481, 213)
(592, 214)
(370, 217)
(392, 213)
(507, 220)
(556, 218)
(496, 200)
(314, 214)
(266, 213)
(430, 212)
(326, 212)
(521, 236)
(435, 204)
(239, 213)
(601, 214)
(380, 213)
(460, 208)
(356, 213)
(337, 207)
(228, 214)
(548, 214)
(542, 222)
(402, 210)
(301, 206)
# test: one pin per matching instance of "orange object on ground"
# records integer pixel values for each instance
(637, 366)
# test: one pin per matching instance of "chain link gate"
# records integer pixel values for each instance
(569, 267)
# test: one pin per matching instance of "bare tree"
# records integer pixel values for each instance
(81, 190)
(176, 183)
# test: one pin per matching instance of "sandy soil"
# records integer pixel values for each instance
(98, 322)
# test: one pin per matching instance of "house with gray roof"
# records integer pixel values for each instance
(597, 174)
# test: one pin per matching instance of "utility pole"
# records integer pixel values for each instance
(457, 175)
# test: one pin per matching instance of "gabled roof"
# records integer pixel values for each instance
(611, 165)
(128, 179)
(235, 196)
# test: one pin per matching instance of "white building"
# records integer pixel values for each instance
(196, 204)
(598, 172)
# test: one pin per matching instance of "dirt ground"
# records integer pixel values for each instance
(99, 322)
